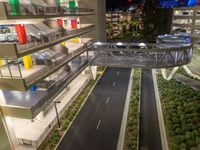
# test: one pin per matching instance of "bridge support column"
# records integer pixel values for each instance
(93, 70)
(170, 76)
(189, 72)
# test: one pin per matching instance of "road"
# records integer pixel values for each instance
(97, 126)
(149, 126)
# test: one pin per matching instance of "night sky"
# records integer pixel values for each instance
(118, 3)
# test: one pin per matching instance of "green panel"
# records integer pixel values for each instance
(15, 7)
(58, 2)
(4, 139)
(72, 4)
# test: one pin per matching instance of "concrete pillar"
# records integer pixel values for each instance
(99, 19)
(7, 134)
(5, 142)
(93, 70)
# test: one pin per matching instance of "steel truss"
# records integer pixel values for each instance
(141, 55)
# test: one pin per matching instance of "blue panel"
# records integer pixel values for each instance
(174, 3)
(192, 3)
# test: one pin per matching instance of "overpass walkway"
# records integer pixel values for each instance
(140, 55)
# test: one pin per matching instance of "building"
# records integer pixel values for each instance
(186, 19)
(43, 59)
(116, 21)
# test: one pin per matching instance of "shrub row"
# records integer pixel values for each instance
(183, 72)
(181, 109)
(132, 130)
(55, 135)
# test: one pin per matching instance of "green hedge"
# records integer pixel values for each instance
(181, 109)
(183, 72)
(55, 135)
(132, 130)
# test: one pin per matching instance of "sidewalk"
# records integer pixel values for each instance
(35, 132)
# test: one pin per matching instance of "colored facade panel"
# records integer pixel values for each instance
(21, 33)
(76, 40)
(27, 62)
(74, 24)
(14, 7)
(175, 3)
(60, 22)
(72, 4)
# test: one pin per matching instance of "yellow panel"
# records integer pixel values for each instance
(76, 40)
(1, 62)
(27, 62)
(63, 43)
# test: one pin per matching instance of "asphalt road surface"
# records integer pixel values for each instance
(149, 126)
(97, 125)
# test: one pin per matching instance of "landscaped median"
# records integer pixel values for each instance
(181, 109)
(132, 128)
(183, 72)
(56, 134)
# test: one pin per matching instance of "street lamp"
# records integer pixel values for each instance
(57, 102)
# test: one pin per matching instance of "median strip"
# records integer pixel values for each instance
(131, 129)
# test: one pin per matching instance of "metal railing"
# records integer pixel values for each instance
(37, 10)
(14, 69)
(136, 55)
(53, 37)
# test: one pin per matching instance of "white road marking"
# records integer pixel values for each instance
(117, 72)
(113, 83)
(107, 101)
(99, 122)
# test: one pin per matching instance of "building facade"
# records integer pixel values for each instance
(43, 58)
(187, 20)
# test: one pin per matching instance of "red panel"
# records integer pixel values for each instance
(60, 22)
(21, 33)
(74, 24)
(129, 1)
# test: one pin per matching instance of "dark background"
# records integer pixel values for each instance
(113, 4)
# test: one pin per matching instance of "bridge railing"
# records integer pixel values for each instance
(141, 55)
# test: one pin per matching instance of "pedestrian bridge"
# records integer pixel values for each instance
(140, 55)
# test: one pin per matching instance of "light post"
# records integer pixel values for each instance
(57, 116)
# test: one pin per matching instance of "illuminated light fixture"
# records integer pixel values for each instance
(142, 45)
(98, 43)
(119, 44)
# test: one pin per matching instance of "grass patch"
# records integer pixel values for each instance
(181, 109)
(183, 72)
(132, 128)
(55, 135)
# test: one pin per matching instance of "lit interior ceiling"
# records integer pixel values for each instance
(19, 21)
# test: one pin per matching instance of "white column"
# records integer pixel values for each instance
(93, 70)
(2, 99)
(8, 124)
(11, 130)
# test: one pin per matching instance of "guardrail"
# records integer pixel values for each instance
(141, 55)
(16, 50)
(23, 9)
(54, 36)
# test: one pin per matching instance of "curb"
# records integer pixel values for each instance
(160, 114)
(120, 143)
(139, 110)
(78, 111)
